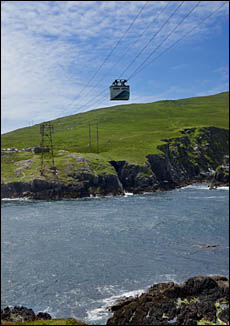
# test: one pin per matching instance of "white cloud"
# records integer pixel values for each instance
(51, 49)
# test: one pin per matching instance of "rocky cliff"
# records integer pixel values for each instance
(201, 300)
(193, 157)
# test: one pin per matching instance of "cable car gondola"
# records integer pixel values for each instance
(119, 91)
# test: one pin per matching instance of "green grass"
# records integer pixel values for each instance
(126, 132)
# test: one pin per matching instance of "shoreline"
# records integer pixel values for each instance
(178, 304)
(192, 158)
(127, 194)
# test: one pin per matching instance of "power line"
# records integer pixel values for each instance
(110, 53)
(162, 26)
(152, 38)
(184, 36)
(164, 40)
(141, 67)
(127, 48)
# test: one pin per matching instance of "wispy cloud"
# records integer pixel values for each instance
(51, 49)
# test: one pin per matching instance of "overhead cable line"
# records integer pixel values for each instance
(162, 26)
(164, 40)
(177, 8)
(92, 99)
(127, 48)
(167, 49)
(152, 38)
(110, 53)
(184, 36)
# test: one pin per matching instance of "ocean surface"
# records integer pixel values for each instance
(73, 258)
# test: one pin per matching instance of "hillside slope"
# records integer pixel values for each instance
(128, 132)
(142, 147)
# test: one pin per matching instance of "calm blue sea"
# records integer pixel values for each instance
(73, 258)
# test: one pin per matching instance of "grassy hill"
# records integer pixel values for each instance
(126, 132)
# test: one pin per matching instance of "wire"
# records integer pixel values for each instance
(127, 48)
(162, 26)
(164, 40)
(184, 36)
(110, 53)
(141, 67)
(152, 38)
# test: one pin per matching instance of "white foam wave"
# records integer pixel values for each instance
(102, 312)
(223, 188)
(204, 186)
(128, 194)
(12, 199)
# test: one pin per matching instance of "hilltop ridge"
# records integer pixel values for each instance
(129, 131)
(140, 147)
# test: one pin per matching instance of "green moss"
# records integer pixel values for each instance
(205, 322)
(186, 301)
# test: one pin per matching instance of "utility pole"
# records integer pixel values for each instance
(31, 142)
(46, 145)
(90, 142)
(97, 139)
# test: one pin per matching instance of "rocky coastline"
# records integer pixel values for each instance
(200, 300)
(20, 315)
(195, 157)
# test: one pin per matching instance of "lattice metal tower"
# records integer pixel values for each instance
(46, 145)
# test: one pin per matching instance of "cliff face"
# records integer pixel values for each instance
(41, 189)
(200, 300)
(193, 157)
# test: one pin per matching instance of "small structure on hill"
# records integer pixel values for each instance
(46, 148)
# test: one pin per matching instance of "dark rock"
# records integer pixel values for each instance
(175, 304)
(184, 160)
(224, 316)
(221, 176)
(197, 285)
(41, 189)
(135, 178)
(43, 316)
(22, 314)
(18, 314)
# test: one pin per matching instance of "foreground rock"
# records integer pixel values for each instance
(199, 301)
(22, 315)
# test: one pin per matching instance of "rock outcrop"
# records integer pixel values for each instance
(221, 176)
(22, 314)
(193, 157)
(200, 300)
(86, 186)
(199, 155)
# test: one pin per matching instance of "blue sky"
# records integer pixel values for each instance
(59, 57)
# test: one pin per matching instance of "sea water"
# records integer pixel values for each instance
(74, 258)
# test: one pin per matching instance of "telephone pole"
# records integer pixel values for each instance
(46, 145)
(90, 142)
(97, 139)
